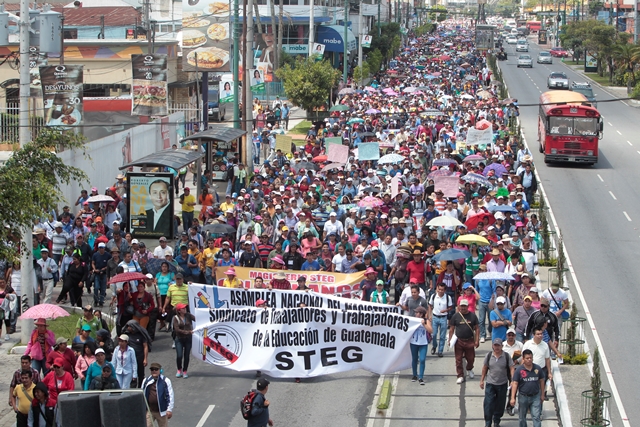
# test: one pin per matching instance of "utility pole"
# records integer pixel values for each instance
(24, 134)
(379, 30)
(345, 59)
(311, 25)
(635, 22)
(248, 61)
(360, 35)
(236, 64)
(147, 18)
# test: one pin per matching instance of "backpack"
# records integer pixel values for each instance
(246, 404)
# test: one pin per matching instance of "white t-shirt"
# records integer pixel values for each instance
(559, 296)
(158, 252)
(419, 337)
(540, 352)
(440, 304)
(337, 262)
(510, 349)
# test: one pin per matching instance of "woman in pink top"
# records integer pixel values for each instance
(535, 298)
(471, 295)
(309, 243)
(40, 345)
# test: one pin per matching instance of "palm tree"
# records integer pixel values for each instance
(627, 56)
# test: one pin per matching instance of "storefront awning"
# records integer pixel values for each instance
(175, 159)
(332, 37)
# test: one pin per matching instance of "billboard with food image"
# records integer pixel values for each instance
(149, 85)
(206, 35)
(62, 94)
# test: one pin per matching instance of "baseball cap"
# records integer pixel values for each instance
(102, 245)
(511, 330)
(501, 300)
(262, 383)
(99, 350)
(497, 341)
(464, 302)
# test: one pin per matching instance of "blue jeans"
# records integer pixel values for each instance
(187, 220)
(520, 337)
(208, 275)
(125, 380)
(529, 402)
(483, 314)
(495, 398)
(418, 352)
(99, 288)
(439, 332)
(183, 350)
(40, 366)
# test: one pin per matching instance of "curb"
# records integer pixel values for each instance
(385, 395)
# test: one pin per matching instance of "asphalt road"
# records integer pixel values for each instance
(598, 211)
(345, 398)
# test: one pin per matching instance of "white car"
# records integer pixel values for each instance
(512, 40)
(522, 47)
(525, 61)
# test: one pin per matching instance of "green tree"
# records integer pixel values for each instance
(30, 184)
(361, 73)
(308, 83)
(374, 61)
(388, 42)
(626, 56)
(597, 404)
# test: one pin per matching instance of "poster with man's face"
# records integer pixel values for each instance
(150, 204)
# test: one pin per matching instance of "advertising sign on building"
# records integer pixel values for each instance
(149, 85)
(206, 35)
(62, 93)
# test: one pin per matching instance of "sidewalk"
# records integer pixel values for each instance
(443, 401)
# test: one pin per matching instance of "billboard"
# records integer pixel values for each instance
(206, 35)
(149, 85)
(484, 37)
(542, 36)
(590, 62)
(366, 41)
(226, 90)
(62, 94)
(150, 204)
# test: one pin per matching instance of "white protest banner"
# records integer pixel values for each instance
(287, 340)
(477, 136)
(395, 186)
(448, 184)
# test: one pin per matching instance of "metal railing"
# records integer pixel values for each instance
(9, 124)
(191, 111)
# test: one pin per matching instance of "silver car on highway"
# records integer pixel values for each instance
(545, 57)
(525, 61)
(558, 80)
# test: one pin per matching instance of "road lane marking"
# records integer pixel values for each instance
(629, 142)
(205, 416)
(619, 133)
(627, 215)
(600, 178)
(610, 124)
(614, 197)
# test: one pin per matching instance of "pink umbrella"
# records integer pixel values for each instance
(440, 172)
(392, 93)
(44, 311)
(370, 89)
(386, 90)
(370, 202)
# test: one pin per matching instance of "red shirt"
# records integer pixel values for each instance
(57, 385)
(280, 284)
(416, 271)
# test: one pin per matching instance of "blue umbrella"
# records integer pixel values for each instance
(451, 255)
(444, 162)
(503, 208)
(154, 266)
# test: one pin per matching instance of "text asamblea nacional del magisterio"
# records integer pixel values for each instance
(248, 298)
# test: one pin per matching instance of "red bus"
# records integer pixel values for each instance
(568, 128)
(534, 26)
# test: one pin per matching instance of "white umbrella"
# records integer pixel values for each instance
(444, 221)
(99, 198)
(493, 275)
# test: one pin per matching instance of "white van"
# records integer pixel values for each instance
(4, 156)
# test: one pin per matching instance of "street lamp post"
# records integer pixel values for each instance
(345, 58)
